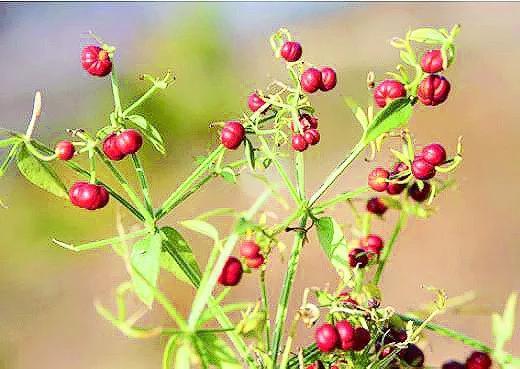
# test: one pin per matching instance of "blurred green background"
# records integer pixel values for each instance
(219, 53)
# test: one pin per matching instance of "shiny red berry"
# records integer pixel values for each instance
(434, 154)
(397, 188)
(478, 360)
(326, 337)
(361, 339)
(377, 179)
(232, 135)
(96, 61)
(249, 249)
(376, 205)
(421, 169)
(433, 90)
(431, 61)
(452, 364)
(129, 141)
(64, 150)
(419, 195)
(311, 80)
(111, 149)
(388, 90)
(328, 79)
(255, 262)
(255, 102)
(312, 136)
(231, 273)
(298, 142)
(88, 195)
(346, 334)
(372, 244)
(357, 258)
(291, 51)
(413, 356)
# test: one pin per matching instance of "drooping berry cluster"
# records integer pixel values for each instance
(232, 272)
(117, 146)
(307, 134)
(342, 335)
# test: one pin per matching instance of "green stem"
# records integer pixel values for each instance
(115, 92)
(143, 182)
(265, 305)
(340, 198)
(34, 151)
(92, 164)
(141, 100)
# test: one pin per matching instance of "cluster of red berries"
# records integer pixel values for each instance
(433, 89)
(342, 335)
(232, 271)
(309, 136)
(118, 145)
(369, 246)
(477, 360)
(96, 61)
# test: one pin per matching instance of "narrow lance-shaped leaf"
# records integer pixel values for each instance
(427, 35)
(177, 256)
(333, 243)
(145, 259)
(149, 131)
(394, 115)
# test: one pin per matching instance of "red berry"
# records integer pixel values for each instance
(372, 244)
(387, 91)
(306, 122)
(326, 337)
(298, 142)
(431, 61)
(255, 262)
(433, 90)
(96, 61)
(328, 79)
(434, 154)
(412, 355)
(357, 258)
(346, 334)
(231, 273)
(452, 364)
(88, 195)
(377, 179)
(421, 169)
(64, 150)
(111, 149)
(419, 195)
(361, 338)
(291, 51)
(129, 141)
(311, 80)
(255, 102)
(312, 136)
(478, 360)
(232, 135)
(396, 188)
(317, 365)
(249, 249)
(376, 205)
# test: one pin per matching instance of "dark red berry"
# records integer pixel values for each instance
(421, 169)
(358, 258)
(434, 154)
(232, 135)
(397, 188)
(291, 51)
(111, 149)
(377, 179)
(311, 80)
(255, 262)
(346, 334)
(96, 61)
(452, 364)
(372, 244)
(419, 195)
(312, 136)
(249, 249)
(396, 335)
(231, 273)
(361, 339)
(306, 122)
(431, 61)
(64, 150)
(433, 90)
(88, 195)
(388, 90)
(129, 141)
(376, 205)
(326, 337)
(478, 360)
(412, 355)
(255, 102)
(328, 79)
(298, 142)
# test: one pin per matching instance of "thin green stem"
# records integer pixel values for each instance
(140, 101)
(35, 152)
(115, 91)
(143, 182)
(92, 164)
(340, 198)
(265, 306)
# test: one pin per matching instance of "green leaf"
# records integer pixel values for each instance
(217, 352)
(229, 175)
(508, 318)
(407, 58)
(40, 173)
(332, 241)
(10, 156)
(427, 35)
(182, 357)
(149, 131)
(168, 352)
(201, 227)
(358, 112)
(145, 258)
(394, 115)
(249, 153)
(175, 244)
(9, 141)
(400, 156)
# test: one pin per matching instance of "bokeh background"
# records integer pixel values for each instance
(219, 52)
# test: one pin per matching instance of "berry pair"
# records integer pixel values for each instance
(434, 89)
(232, 134)
(314, 79)
(369, 246)
(412, 355)
(88, 195)
(118, 145)
(309, 133)
(96, 61)
(477, 360)
(64, 150)
(342, 335)
(424, 163)
(250, 251)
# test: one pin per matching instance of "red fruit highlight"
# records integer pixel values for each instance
(372, 244)
(129, 141)
(376, 206)
(419, 195)
(64, 150)
(377, 179)
(361, 339)
(434, 154)
(298, 142)
(232, 135)
(88, 196)
(326, 337)
(421, 169)
(312, 136)
(388, 90)
(328, 79)
(311, 80)
(291, 51)
(256, 262)
(111, 149)
(95, 61)
(346, 334)
(478, 360)
(255, 102)
(431, 61)
(249, 249)
(358, 258)
(433, 90)
(231, 273)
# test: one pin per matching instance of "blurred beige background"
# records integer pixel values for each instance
(219, 53)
